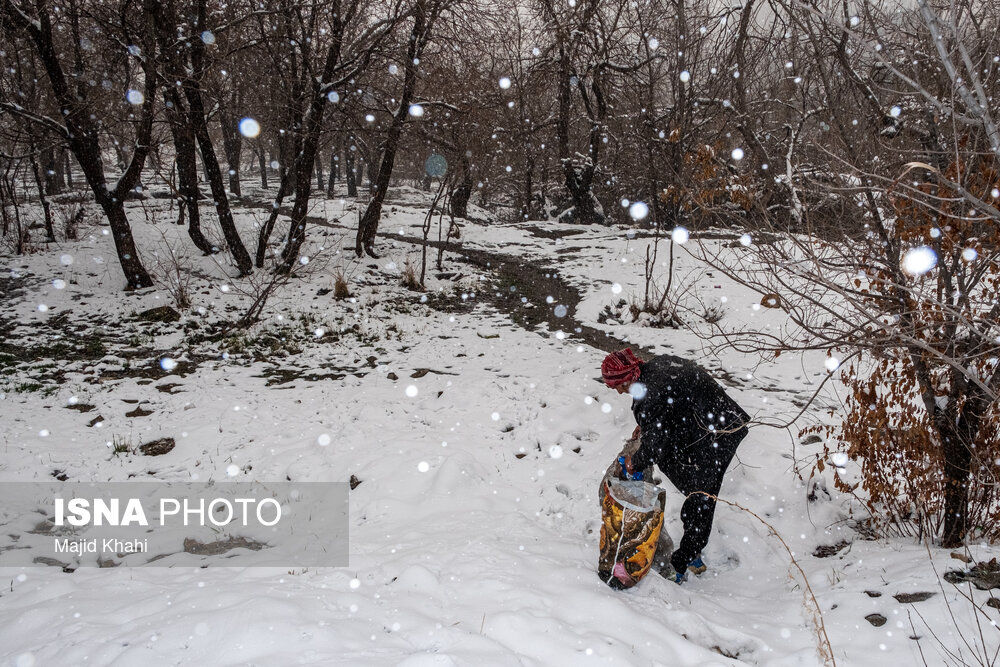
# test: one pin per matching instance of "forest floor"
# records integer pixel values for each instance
(475, 523)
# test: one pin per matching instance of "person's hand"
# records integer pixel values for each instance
(627, 472)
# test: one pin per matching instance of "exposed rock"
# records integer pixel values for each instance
(878, 620)
(873, 594)
(355, 482)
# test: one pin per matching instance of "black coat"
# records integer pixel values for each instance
(690, 429)
(684, 417)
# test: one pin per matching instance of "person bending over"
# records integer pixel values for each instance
(689, 428)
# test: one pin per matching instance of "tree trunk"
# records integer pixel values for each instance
(349, 172)
(333, 172)
(82, 135)
(368, 226)
(68, 170)
(232, 146)
(36, 169)
(53, 176)
(187, 170)
(320, 181)
(307, 155)
(262, 165)
(958, 438)
(265, 231)
(460, 197)
(957, 465)
(210, 161)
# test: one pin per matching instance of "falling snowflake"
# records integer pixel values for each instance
(918, 261)
(680, 235)
(839, 459)
(333, 96)
(559, 311)
(135, 97)
(323, 440)
(746, 240)
(555, 451)
(737, 154)
(637, 390)
(412, 390)
(416, 110)
(168, 364)
(616, 288)
(832, 363)
(504, 82)
(232, 470)
(970, 254)
(423, 466)
(638, 210)
(685, 76)
(249, 128)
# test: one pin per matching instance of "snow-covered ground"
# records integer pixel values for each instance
(478, 445)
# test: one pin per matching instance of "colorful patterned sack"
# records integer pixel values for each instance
(631, 521)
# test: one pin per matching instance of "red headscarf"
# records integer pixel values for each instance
(620, 368)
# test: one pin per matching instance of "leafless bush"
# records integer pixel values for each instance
(340, 289)
(411, 280)
(72, 217)
(169, 269)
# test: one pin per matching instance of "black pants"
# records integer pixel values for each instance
(702, 470)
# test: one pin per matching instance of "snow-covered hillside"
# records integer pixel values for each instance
(475, 422)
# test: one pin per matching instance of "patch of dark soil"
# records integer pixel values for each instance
(551, 233)
(158, 447)
(281, 375)
(159, 314)
(420, 372)
(139, 412)
(80, 407)
(95, 421)
(873, 594)
(910, 598)
(826, 551)
(878, 620)
(983, 576)
(193, 546)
